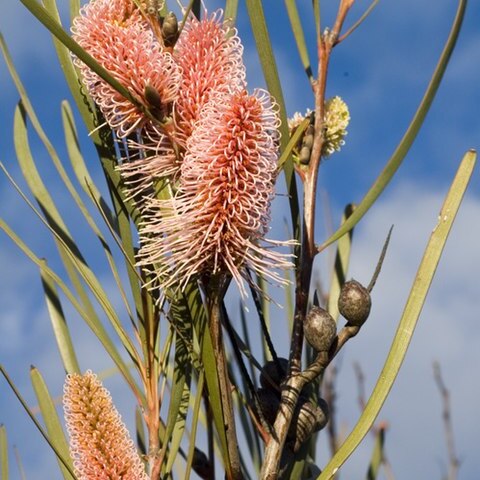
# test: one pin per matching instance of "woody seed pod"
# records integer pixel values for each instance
(319, 329)
(274, 372)
(354, 303)
(307, 419)
(269, 402)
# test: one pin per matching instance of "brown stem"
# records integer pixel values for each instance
(295, 382)
(152, 419)
(215, 294)
(454, 463)
(330, 396)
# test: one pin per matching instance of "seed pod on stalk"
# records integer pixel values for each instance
(354, 303)
(320, 329)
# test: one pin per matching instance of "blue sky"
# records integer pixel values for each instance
(381, 71)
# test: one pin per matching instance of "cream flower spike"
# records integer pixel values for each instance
(337, 118)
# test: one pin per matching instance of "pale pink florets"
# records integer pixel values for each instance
(217, 143)
(221, 212)
(209, 52)
(100, 445)
(117, 36)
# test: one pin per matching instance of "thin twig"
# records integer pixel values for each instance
(358, 22)
(453, 461)
(330, 397)
(376, 427)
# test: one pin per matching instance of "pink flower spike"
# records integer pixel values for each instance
(100, 445)
(221, 213)
(209, 53)
(118, 37)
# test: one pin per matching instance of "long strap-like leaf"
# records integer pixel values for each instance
(406, 142)
(269, 67)
(52, 422)
(410, 315)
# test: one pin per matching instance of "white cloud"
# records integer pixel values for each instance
(446, 331)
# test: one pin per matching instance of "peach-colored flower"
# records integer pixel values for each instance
(100, 445)
(209, 53)
(121, 40)
(221, 211)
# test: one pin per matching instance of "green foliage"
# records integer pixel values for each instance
(173, 341)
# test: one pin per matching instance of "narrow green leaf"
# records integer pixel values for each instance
(3, 452)
(72, 77)
(36, 422)
(410, 315)
(340, 267)
(78, 164)
(294, 139)
(71, 256)
(316, 16)
(269, 67)
(231, 10)
(79, 167)
(297, 30)
(42, 14)
(377, 455)
(179, 397)
(406, 142)
(192, 298)
(195, 423)
(95, 325)
(52, 422)
(140, 432)
(59, 324)
(74, 9)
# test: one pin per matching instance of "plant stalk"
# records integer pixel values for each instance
(215, 294)
(292, 388)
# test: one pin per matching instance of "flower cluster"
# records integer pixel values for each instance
(337, 118)
(216, 142)
(100, 445)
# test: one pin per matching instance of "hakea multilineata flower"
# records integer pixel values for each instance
(120, 39)
(100, 445)
(209, 55)
(209, 52)
(336, 120)
(218, 218)
(221, 144)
